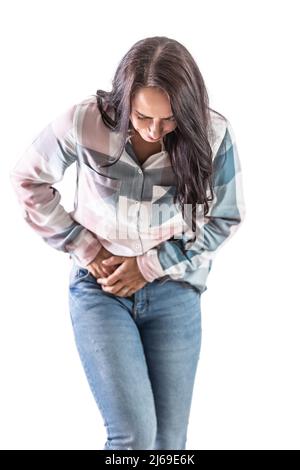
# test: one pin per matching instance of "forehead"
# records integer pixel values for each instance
(152, 102)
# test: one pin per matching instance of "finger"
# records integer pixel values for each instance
(113, 260)
(125, 291)
(112, 278)
(100, 273)
(106, 271)
(113, 289)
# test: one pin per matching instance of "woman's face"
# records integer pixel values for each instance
(151, 114)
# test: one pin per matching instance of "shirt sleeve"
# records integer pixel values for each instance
(177, 258)
(43, 164)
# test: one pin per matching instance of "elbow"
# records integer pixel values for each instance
(14, 179)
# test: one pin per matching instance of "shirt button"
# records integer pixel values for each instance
(140, 171)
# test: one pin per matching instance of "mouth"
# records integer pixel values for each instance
(153, 140)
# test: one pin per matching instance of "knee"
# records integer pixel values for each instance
(138, 435)
(143, 437)
(171, 440)
(142, 433)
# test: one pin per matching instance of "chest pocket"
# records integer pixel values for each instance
(163, 207)
(105, 187)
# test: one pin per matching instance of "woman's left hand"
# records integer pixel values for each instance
(126, 279)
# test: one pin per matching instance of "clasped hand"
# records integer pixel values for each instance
(118, 275)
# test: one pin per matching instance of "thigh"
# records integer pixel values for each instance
(112, 355)
(171, 335)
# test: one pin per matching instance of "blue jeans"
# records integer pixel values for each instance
(140, 355)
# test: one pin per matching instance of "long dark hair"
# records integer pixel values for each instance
(165, 63)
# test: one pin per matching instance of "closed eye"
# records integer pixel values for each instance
(168, 119)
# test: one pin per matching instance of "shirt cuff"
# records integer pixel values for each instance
(149, 265)
(84, 248)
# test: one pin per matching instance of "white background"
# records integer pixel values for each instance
(54, 53)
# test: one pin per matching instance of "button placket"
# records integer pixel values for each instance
(140, 171)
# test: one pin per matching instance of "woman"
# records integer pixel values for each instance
(159, 191)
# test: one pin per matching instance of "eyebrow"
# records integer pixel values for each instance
(151, 117)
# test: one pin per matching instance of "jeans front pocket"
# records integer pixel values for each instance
(82, 273)
(78, 273)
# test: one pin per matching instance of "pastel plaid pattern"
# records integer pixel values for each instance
(128, 207)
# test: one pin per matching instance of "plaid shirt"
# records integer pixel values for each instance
(127, 207)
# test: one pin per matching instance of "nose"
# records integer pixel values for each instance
(155, 131)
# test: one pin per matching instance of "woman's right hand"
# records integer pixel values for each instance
(96, 268)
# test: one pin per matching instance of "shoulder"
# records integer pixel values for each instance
(221, 131)
(71, 116)
(217, 130)
(89, 103)
(89, 126)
